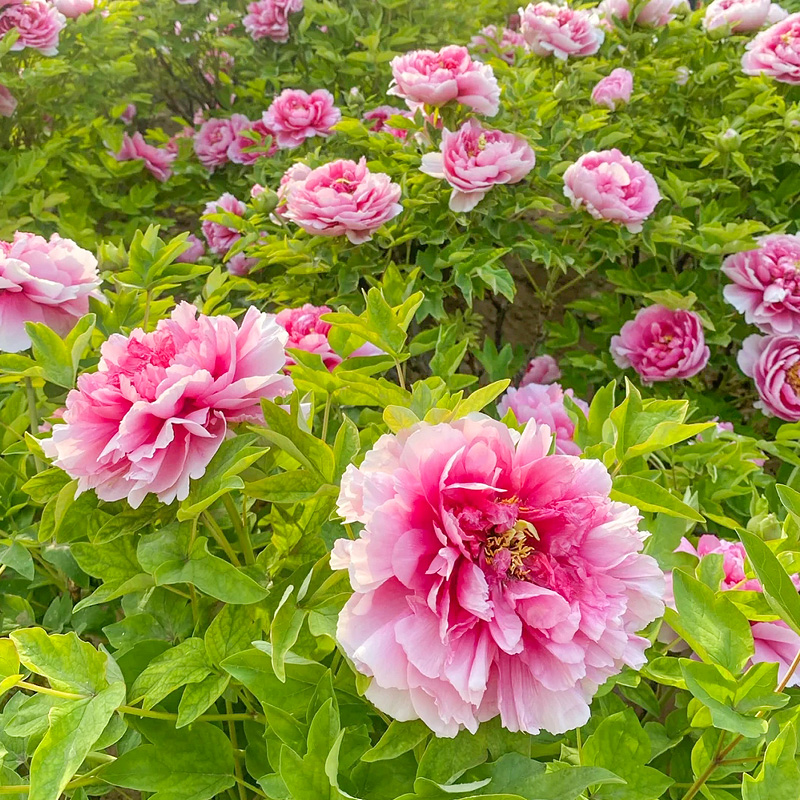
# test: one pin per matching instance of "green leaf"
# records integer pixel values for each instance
(649, 496)
(286, 487)
(400, 737)
(230, 632)
(284, 630)
(182, 664)
(445, 760)
(779, 776)
(197, 697)
(18, 557)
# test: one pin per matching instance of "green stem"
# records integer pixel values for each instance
(241, 532)
(220, 538)
(326, 416)
(148, 299)
(33, 416)
(237, 764)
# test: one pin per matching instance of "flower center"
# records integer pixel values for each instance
(793, 377)
(506, 552)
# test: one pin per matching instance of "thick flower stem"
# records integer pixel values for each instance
(241, 532)
(220, 538)
(33, 415)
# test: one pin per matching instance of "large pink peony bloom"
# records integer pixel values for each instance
(295, 116)
(614, 90)
(545, 405)
(774, 641)
(221, 237)
(474, 158)
(215, 137)
(654, 14)
(39, 24)
(250, 143)
(269, 19)
(342, 198)
(613, 187)
(773, 362)
(158, 408)
(766, 284)
(157, 160)
(490, 578)
(502, 41)
(425, 77)
(8, 103)
(74, 8)
(561, 31)
(542, 369)
(661, 344)
(739, 16)
(308, 332)
(775, 52)
(42, 281)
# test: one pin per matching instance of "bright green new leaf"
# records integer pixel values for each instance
(647, 495)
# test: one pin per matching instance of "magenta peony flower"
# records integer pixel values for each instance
(295, 116)
(474, 158)
(766, 284)
(614, 90)
(551, 29)
(613, 187)
(156, 159)
(220, 237)
(775, 52)
(379, 117)
(39, 24)
(654, 14)
(8, 103)
(269, 19)
(240, 265)
(739, 16)
(42, 281)
(158, 408)
(342, 198)
(308, 332)
(74, 8)
(128, 114)
(244, 149)
(661, 344)
(773, 362)
(545, 405)
(775, 641)
(490, 578)
(504, 41)
(425, 77)
(542, 369)
(197, 250)
(213, 140)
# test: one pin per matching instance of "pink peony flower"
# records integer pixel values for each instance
(42, 281)
(613, 187)
(240, 265)
(128, 114)
(213, 140)
(39, 24)
(158, 408)
(613, 90)
(661, 344)
(773, 362)
(342, 198)
(295, 116)
(308, 332)
(490, 578)
(542, 369)
(379, 117)
(545, 405)
(739, 16)
(775, 641)
(474, 158)
(425, 77)
(8, 103)
(74, 8)
(197, 250)
(503, 41)
(766, 284)
(156, 159)
(551, 29)
(294, 176)
(269, 19)
(220, 237)
(775, 52)
(655, 14)
(776, 14)
(247, 149)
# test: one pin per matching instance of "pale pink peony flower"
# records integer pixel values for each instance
(220, 237)
(661, 344)
(542, 369)
(474, 158)
(775, 52)
(613, 187)
(776, 14)
(682, 76)
(247, 149)
(308, 332)
(294, 176)
(503, 41)
(379, 118)
(342, 198)
(8, 103)
(42, 281)
(295, 116)
(654, 14)
(773, 362)
(561, 31)
(128, 114)
(425, 77)
(775, 641)
(157, 160)
(490, 578)
(269, 19)
(213, 140)
(545, 405)
(739, 16)
(39, 24)
(158, 408)
(614, 90)
(256, 190)
(766, 284)
(74, 8)
(197, 250)
(240, 265)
